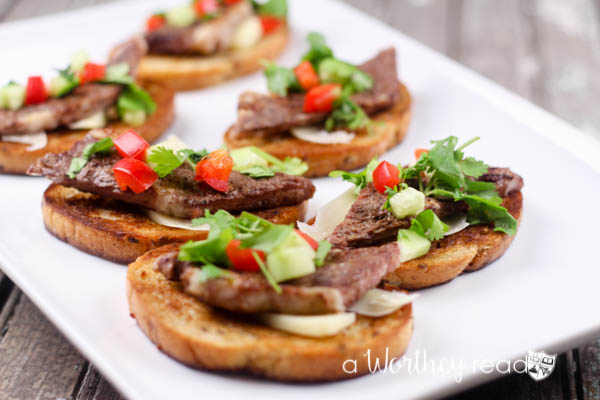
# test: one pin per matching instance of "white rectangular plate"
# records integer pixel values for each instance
(541, 295)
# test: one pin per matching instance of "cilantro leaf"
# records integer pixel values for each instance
(484, 211)
(78, 163)
(346, 114)
(472, 167)
(209, 251)
(290, 165)
(163, 161)
(134, 98)
(428, 224)
(275, 8)
(280, 80)
(269, 238)
(322, 251)
(258, 171)
(359, 179)
(318, 49)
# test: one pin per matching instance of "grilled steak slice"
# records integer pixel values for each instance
(506, 181)
(346, 276)
(204, 38)
(84, 101)
(261, 114)
(177, 194)
(367, 223)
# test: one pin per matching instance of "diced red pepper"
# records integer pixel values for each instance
(270, 24)
(306, 75)
(134, 174)
(386, 175)
(231, 2)
(242, 259)
(36, 92)
(321, 98)
(155, 22)
(131, 145)
(206, 7)
(313, 243)
(418, 152)
(92, 72)
(215, 169)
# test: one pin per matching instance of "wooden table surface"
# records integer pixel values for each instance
(545, 50)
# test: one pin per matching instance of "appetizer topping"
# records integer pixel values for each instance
(36, 141)
(414, 200)
(172, 222)
(94, 121)
(329, 216)
(134, 174)
(257, 163)
(379, 302)
(88, 166)
(412, 245)
(343, 279)
(310, 325)
(321, 98)
(209, 26)
(261, 114)
(78, 92)
(318, 135)
(131, 145)
(306, 75)
(214, 169)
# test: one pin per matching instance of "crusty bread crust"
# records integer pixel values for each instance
(119, 232)
(15, 159)
(196, 72)
(468, 250)
(203, 337)
(388, 129)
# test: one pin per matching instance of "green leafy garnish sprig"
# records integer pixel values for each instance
(164, 161)
(358, 179)
(289, 165)
(101, 146)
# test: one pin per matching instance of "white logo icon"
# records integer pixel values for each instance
(540, 365)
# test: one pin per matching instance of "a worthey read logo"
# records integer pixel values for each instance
(540, 365)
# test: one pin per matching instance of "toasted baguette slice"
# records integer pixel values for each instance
(15, 159)
(203, 337)
(120, 232)
(468, 250)
(195, 72)
(388, 129)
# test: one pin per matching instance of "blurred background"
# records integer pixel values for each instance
(547, 51)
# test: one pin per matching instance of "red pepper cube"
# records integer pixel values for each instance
(321, 98)
(306, 75)
(92, 72)
(206, 7)
(155, 22)
(386, 175)
(270, 24)
(418, 152)
(215, 169)
(134, 174)
(131, 145)
(36, 92)
(242, 259)
(312, 242)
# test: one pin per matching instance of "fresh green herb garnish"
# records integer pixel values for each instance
(275, 8)
(163, 161)
(427, 224)
(266, 273)
(118, 74)
(210, 271)
(359, 179)
(258, 171)
(78, 163)
(134, 98)
(322, 251)
(346, 114)
(318, 49)
(352, 78)
(280, 80)
(290, 165)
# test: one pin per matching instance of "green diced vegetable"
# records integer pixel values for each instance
(77, 163)
(412, 245)
(134, 98)
(181, 16)
(291, 259)
(275, 8)
(119, 74)
(280, 80)
(78, 61)
(134, 117)
(12, 96)
(245, 158)
(63, 84)
(407, 202)
(318, 49)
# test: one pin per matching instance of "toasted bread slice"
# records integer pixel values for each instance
(195, 72)
(388, 129)
(203, 337)
(468, 250)
(120, 232)
(15, 159)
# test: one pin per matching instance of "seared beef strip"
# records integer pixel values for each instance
(84, 101)
(367, 223)
(345, 277)
(204, 37)
(262, 114)
(177, 194)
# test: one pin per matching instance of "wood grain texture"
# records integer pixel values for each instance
(545, 50)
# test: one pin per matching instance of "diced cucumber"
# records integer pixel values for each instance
(245, 157)
(291, 259)
(78, 60)
(370, 168)
(412, 245)
(335, 71)
(247, 34)
(12, 96)
(181, 16)
(96, 120)
(60, 85)
(407, 202)
(134, 117)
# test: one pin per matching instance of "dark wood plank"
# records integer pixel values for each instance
(95, 387)
(31, 8)
(37, 361)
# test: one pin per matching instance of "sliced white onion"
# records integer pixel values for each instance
(317, 135)
(36, 141)
(378, 302)
(172, 222)
(247, 34)
(94, 121)
(310, 325)
(456, 223)
(330, 216)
